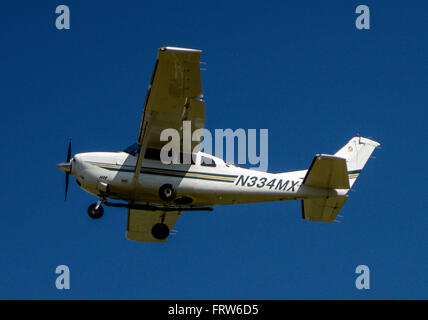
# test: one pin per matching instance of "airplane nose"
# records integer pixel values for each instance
(65, 166)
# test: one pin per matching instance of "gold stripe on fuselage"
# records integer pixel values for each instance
(176, 173)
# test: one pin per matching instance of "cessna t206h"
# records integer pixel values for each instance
(155, 194)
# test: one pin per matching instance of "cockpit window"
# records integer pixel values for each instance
(133, 149)
(155, 154)
(207, 162)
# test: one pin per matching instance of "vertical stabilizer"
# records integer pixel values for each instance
(356, 152)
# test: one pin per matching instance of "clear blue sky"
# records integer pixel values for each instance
(300, 69)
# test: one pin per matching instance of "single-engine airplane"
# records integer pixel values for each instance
(155, 193)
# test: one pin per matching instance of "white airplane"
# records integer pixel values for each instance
(155, 193)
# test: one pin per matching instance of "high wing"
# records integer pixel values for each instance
(174, 96)
(141, 222)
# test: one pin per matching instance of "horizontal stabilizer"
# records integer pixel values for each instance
(324, 210)
(327, 172)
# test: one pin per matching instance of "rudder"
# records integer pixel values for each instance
(356, 152)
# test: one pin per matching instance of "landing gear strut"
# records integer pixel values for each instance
(160, 230)
(96, 210)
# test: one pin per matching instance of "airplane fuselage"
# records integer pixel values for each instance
(111, 175)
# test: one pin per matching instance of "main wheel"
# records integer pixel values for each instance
(167, 192)
(160, 231)
(95, 213)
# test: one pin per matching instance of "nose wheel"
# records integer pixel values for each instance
(167, 192)
(96, 210)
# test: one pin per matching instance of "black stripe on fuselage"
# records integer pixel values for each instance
(354, 171)
(174, 173)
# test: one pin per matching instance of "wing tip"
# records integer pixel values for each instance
(179, 49)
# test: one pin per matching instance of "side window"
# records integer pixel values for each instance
(207, 162)
(192, 158)
(154, 154)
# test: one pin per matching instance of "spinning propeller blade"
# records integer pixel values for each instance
(69, 151)
(67, 178)
(67, 174)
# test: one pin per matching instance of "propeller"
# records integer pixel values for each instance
(67, 174)
(66, 167)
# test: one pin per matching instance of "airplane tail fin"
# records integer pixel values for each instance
(338, 171)
(356, 152)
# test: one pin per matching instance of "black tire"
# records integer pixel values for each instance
(160, 231)
(95, 214)
(167, 192)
